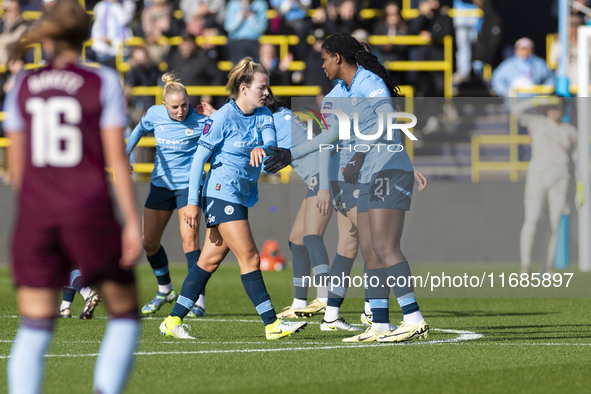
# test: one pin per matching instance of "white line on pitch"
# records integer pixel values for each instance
(463, 336)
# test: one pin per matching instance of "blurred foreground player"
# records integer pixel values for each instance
(66, 124)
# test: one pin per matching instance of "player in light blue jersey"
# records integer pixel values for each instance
(177, 129)
(305, 238)
(237, 138)
(385, 189)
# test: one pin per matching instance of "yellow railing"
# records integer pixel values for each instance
(513, 140)
(445, 65)
(513, 165)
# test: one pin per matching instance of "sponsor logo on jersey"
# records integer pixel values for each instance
(207, 126)
(376, 92)
(218, 187)
(210, 219)
(229, 210)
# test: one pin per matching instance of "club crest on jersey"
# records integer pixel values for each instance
(229, 210)
(356, 193)
(207, 126)
(188, 131)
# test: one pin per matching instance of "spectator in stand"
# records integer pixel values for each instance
(277, 69)
(245, 23)
(490, 39)
(294, 16)
(207, 10)
(111, 28)
(466, 28)
(142, 73)
(314, 62)
(342, 17)
(12, 28)
(158, 22)
(433, 23)
(576, 20)
(194, 68)
(523, 69)
(392, 25)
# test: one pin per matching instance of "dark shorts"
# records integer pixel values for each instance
(218, 211)
(43, 254)
(344, 196)
(313, 187)
(163, 199)
(388, 189)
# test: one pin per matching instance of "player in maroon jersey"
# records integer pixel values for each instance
(66, 122)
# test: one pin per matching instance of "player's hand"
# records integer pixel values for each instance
(323, 201)
(191, 215)
(280, 159)
(353, 167)
(205, 109)
(131, 245)
(257, 156)
(421, 180)
(580, 195)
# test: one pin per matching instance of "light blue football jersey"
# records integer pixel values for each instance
(291, 130)
(230, 136)
(176, 143)
(369, 96)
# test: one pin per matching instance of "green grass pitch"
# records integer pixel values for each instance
(476, 345)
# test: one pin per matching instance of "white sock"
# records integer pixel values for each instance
(332, 313)
(165, 289)
(65, 305)
(201, 301)
(380, 327)
(26, 362)
(323, 299)
(116, 355)
(367, 309)
(85, 292)
(413, 318)
(298, 303)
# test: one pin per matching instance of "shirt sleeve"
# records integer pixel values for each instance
(213, 132)
(196, 174)
(269, 133)
(114, 113)
(14, 121)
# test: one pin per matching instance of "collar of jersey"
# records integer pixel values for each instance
(233, 102)
(348, 89)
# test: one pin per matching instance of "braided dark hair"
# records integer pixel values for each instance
(355, 52)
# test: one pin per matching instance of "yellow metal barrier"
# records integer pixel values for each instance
(513, 140)
(550, 58)
(445, 65)
(513, 165)
(156, 91)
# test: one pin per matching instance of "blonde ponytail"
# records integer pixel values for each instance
(172, 85)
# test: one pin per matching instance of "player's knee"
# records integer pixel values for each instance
(120, 299)
(348, 249)
(150, 246)
(296, 237)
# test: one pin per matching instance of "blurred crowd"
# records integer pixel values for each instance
(478, 40)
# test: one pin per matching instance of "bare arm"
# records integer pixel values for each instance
(115, 158)
(16, 158)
